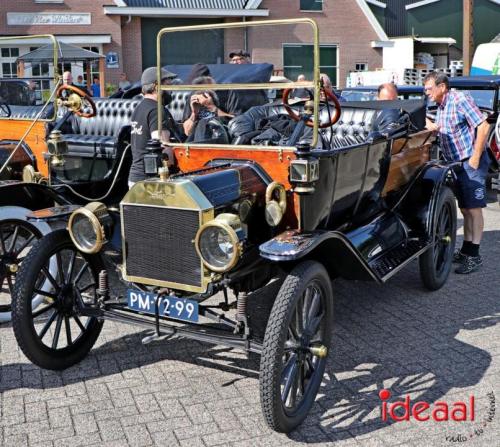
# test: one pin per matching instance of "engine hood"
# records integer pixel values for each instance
(204, 189)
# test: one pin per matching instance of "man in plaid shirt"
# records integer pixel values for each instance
(463, 131)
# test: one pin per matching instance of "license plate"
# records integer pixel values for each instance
(170, 306)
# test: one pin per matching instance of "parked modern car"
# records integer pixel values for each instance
(333, 192)
(369, 92)
(483, 89)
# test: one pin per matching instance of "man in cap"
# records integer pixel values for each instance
(144, 121)
(239, 57)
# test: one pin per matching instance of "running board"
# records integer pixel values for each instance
(394, 260)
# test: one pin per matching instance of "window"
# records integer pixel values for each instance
(10, 52)
(94, 67)
(9, 70)
(311, 5)
(298, 59)
(41, 69)
(361, 66)
(9, 65)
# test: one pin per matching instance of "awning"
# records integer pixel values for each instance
(66, 53)
(76, 39)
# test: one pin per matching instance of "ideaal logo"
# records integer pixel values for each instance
(439, 411)
(423, 411)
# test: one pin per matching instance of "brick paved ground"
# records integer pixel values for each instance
(434, 346)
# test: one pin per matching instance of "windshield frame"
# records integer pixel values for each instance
(314, 84)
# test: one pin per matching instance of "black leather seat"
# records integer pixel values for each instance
(29, 112)
(353, 126)
(98, 136)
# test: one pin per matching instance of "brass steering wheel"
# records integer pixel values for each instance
(310, 123)
(77, 101)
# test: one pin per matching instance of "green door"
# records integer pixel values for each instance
(298, 59)
(181, 48)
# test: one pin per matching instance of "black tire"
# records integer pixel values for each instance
(16, 238)
(435, 263)
(287, 366)
(60, 302)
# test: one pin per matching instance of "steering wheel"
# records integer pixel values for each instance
(310, 123)
(5, 109)
(77, 101)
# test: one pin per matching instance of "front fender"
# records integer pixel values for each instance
(20, 213)
(33, 196)
(17, 213)
(332, 248)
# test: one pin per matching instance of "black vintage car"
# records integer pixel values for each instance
(330, 193)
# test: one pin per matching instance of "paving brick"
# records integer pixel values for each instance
(146, 403)
(185, 433)
(60, 417)
(36, 411)
(53, 434)
(199, 414)
(137, 435)
(84, 423)
(110, 429)
(225, 437)
(19, 440)
(77, 441)
(164, 438)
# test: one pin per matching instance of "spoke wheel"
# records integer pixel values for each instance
(296, 343)
(16, 240)
(435, 263)
(55, 335)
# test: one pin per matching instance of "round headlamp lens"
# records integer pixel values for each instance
(84, 233)
(216, 247)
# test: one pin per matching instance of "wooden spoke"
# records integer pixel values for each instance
(51, 279)
(60, 270)
(80, 273)
(2, 241)
(79, 323)
(25, 244)
(48, 324)
(289, 378)
(71, 267)
(68, 330)
(57, 331)
(14, 239)
(44, 293)
(39, 312)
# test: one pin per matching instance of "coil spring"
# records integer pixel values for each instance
(241, 307)
(103, 280)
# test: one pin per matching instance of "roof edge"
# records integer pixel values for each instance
(377, 27)
(164, 12)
